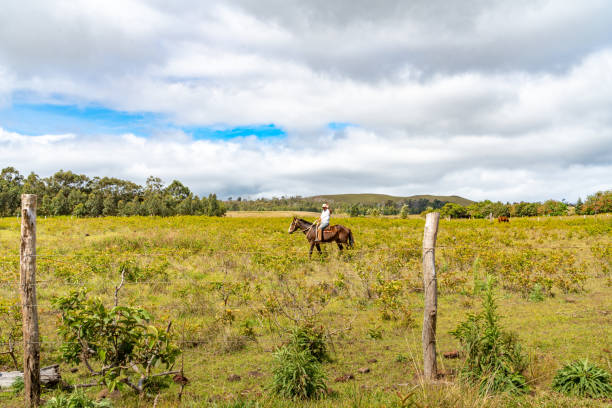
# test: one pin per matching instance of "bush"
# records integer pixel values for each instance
(583, 379)
(77, 399)
(298, 374)
(312, 340)
(495, 360)
(117, 341)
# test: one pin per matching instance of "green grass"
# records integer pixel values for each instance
(211, 275)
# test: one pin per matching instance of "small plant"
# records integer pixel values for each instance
(238, 403)
(298, 374)
(375, 333)
(18, 386)
(311, 339)
(583, 379)
(10, 328)
(495, 360)
(77, 399)
(537, 293)
(247, 328)
(232, 342)
(400, 358)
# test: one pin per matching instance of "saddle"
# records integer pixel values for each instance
(330, 229)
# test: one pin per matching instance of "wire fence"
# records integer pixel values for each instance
(47, 308)
(87, 265)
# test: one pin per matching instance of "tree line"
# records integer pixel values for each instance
(600, 202)
(298, 203)
(68, 193)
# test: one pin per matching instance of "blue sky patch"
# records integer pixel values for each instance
(38, 119)
(259, 131)
(338, 125)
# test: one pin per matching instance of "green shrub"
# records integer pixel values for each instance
(298, 374)
(583, 379)
(77, 399)
(113, 342)
(537, 293)
(311, 339)
(400, 358)
(18, 386)
(494, 358)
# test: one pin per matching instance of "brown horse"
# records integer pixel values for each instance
(336, 233)
(503, 218)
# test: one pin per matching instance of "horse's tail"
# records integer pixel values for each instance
(351, 241)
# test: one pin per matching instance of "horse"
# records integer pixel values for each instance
(503, 218)
(337, 233)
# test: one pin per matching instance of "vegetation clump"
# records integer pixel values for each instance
(583, 379)
(113, 343)
(494, 358)
(298, 373)
(77, 399)
(311, 339)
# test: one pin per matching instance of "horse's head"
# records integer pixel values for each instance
(293, 225)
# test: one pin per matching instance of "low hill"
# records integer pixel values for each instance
(371, 199)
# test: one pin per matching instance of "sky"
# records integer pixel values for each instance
(486, 99)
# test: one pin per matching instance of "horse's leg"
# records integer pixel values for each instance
(319, 249)
(311, 248)
(340, 247)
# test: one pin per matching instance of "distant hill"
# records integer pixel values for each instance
(371, 199)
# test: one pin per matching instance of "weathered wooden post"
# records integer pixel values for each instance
(431, 296)
(29, 308)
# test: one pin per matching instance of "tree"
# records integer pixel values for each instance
(153, 185)
(354, 210)
(579, 206)
(79, 210)
(185, 207)
(94, 204)
(600, 202)
(60, 204)
(453, 210)
(177, 190)
(552, 207)
(10, 190)
(405, 211)
(215, 207)
(76, 197)
(110, 206)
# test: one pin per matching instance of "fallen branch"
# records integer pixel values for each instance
(49, 376)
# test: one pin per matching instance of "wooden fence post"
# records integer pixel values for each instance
(430, 370)
(29, 308)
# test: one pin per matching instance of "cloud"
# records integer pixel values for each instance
(488, 99)
(356, 161)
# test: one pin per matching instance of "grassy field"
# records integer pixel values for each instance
(216, 277)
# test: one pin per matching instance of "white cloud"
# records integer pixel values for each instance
(356, 161)
(487, 99)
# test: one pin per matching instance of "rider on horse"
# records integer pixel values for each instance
(323, 222)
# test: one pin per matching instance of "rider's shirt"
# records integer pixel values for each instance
(325, 216)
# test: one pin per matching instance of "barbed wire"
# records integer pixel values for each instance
(270, 251)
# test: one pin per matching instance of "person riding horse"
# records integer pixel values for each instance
(323, 222)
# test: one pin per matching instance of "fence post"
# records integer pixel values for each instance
(29, 308)
(430, 370)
